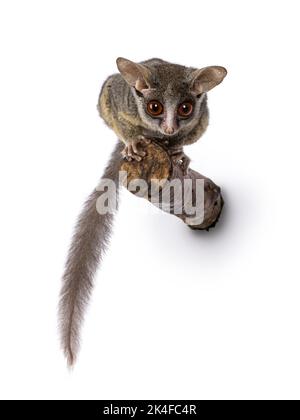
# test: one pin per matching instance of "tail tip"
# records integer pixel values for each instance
(71, 358)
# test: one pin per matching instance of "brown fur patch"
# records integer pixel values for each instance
(134, 120)
(104, 106)
(155, 165)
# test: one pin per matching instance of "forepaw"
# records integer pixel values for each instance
(134, 149)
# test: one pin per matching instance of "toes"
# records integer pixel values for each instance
(136, 157)
(126, 154)
(132, 151)
(134, 146)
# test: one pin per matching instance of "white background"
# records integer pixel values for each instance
(175, 314)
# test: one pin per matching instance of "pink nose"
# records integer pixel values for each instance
(169, 130)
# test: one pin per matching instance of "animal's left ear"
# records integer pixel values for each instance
(205, 79)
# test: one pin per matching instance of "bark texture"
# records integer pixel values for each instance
(157, 165)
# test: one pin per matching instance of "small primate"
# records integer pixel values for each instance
(149, 101)
(157, 100)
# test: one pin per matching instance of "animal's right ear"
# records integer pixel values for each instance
(136, 75)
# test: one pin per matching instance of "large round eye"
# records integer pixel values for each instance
(185, 109)
(154, 108)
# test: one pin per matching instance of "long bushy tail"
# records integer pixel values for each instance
(88, 245)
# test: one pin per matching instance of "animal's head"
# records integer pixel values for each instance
(168, 95)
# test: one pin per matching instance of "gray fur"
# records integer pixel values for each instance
(166, 82)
